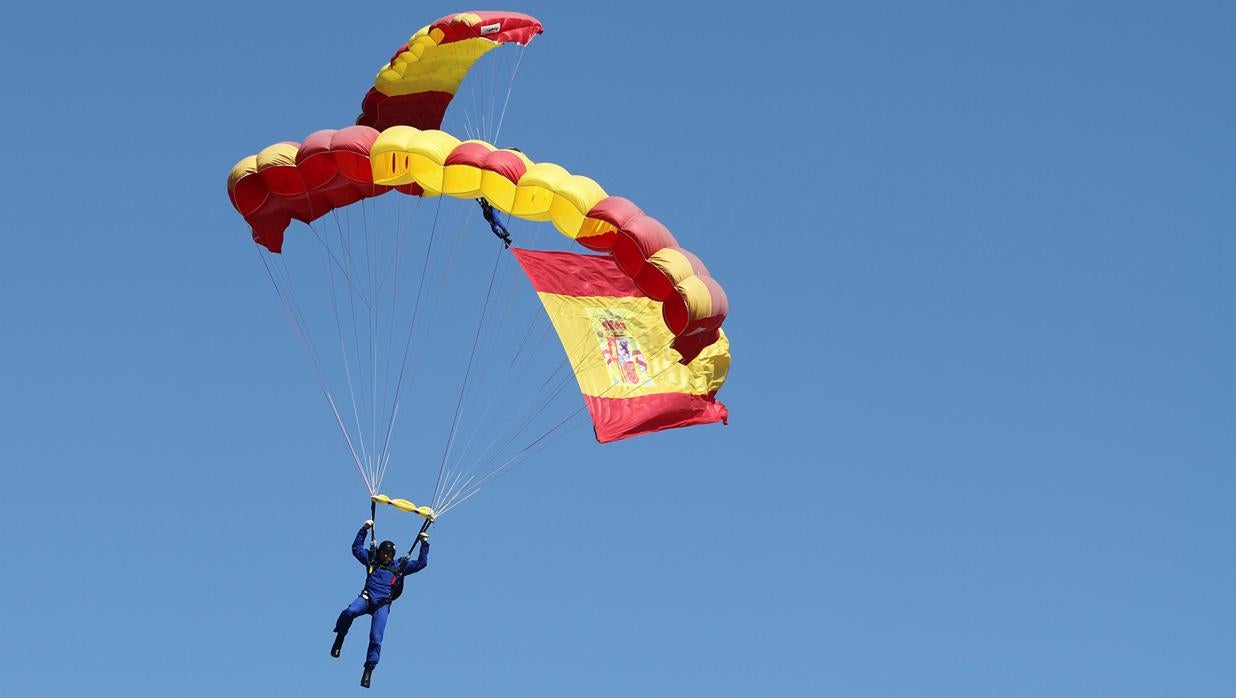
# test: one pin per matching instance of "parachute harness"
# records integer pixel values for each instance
(487, 210)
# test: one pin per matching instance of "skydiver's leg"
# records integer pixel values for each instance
(354, 609)
(376, 629)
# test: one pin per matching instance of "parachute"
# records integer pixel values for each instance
(415, 87)
(640, 324)
(305, 182)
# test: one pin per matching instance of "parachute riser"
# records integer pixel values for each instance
(373, 530)
(417, 540)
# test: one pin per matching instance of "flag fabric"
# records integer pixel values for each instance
(619, 348)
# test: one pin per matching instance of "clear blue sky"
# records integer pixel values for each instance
(980, 258)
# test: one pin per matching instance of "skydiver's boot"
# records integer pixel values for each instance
(365, 676)
(335, 648)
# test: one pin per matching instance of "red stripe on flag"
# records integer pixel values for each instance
(621, 418)
(570, 274)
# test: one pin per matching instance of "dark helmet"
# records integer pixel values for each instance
(386, 550)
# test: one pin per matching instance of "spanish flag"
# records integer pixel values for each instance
(619, 348)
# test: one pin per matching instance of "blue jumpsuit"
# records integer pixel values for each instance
(495, 225)
(374, 599)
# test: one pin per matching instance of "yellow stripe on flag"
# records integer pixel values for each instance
(619, 347)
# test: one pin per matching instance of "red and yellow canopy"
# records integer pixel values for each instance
(417, 85)
(290, 181)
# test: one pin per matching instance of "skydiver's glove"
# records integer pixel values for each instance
(368, 524)
(423, 536)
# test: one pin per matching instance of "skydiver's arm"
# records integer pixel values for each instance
(420, 562)
(359, 551)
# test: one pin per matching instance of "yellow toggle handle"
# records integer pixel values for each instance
(405, 505)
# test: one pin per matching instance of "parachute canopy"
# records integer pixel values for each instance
(417, 85)
(617, 314)
(304, 182)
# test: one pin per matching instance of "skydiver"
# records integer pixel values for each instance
(383, 583)
(487, 210)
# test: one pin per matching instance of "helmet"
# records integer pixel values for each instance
(386, 550)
